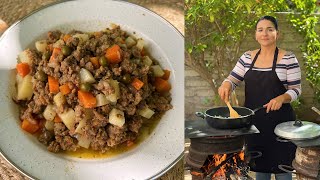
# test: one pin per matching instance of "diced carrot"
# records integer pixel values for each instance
(57, 119)
(143, 52)
(95, 62)
(66, 37)
(113, 54)
(166, 74)
(53, 84)
(65, 89)
(55, 53)
(97, 34)
(50, 47)
(29, 126)
(162, 85)
(87, 99)
(136, 83)
(23, 69)
(130, 143)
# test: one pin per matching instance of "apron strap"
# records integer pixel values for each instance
(254, 60)
(275, 58)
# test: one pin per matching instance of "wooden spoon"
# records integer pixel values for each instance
(233, 113)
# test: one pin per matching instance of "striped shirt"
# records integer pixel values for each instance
(287, 69)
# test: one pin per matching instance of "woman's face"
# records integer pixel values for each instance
(266, 33)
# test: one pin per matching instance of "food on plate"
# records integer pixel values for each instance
(90, 90)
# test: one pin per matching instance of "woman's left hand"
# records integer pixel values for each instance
(274, 104)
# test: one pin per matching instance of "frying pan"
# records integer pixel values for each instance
(219, 117)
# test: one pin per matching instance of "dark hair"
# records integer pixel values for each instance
(269, 18)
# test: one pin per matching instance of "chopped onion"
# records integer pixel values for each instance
(86, 76)
(157, 71)
(68, 118)
(41, 46)
(147, 61)
(24, 87)
(59, 99)
(146, 112)
(116, 117)
(49, 113)
(101, 100)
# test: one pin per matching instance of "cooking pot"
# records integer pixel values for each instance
(219, 117)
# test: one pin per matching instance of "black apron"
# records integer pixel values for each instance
(260, 88)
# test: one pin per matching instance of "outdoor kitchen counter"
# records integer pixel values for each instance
(13, 10)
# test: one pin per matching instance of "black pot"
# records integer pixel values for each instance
(219, 117)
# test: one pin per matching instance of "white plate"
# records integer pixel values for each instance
(151, 158)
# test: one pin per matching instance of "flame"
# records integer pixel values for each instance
(231, 164)
(221, 173)
(218, 159)
(196, 173)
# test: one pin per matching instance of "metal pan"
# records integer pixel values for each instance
(219, 117)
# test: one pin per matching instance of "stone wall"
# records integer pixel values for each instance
(199, 96)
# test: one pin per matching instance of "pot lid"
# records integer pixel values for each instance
(289, 130)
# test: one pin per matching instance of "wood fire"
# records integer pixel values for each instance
(223, 166)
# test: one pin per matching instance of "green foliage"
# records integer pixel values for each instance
(304, 20)
(218, 27)
(296, 104)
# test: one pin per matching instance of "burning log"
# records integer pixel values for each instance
(222, 166)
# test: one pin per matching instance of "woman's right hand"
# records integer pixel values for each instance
(224, 91)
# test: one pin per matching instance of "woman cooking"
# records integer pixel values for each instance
(272, 79)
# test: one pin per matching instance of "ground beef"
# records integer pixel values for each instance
(53, 36)
(117, 135)
(99, 120)
(46, 137)
(67, 143)
(90, 122)
(117, 71)
(105, 87)
(100, 140)
(54, 147)
(135, 124)
(60, 129)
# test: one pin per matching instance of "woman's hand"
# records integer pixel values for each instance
(276, 103)
(224, 90)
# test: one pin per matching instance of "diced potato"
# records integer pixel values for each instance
(146, 112)
(83, 141)
(24, 87)
(157, 71)
(59, 99)
(49, 125)
(49, 113)
(25, 56)
(140, 44)
(58, 44)
(81, 124)
(68, 118)
(130, 42)
(147, 61)
(86, 76)
(41, 45)
(116, 117)
(82, 37)
(116, 95)
(101, 100)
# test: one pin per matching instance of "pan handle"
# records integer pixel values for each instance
(279, 139)
(200, 114)
(287, 169)
(258, 108)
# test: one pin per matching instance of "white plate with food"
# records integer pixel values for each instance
(86, 90)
